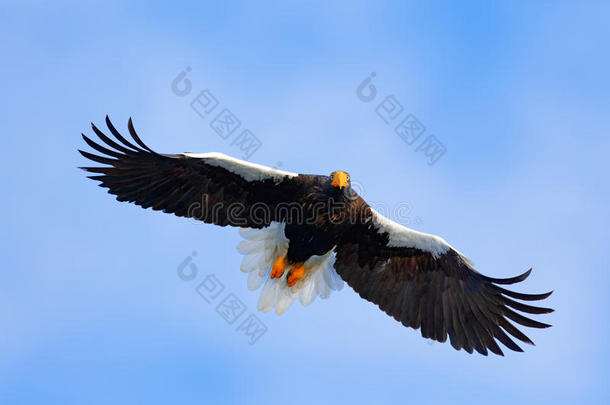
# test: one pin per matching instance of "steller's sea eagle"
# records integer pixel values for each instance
(304, 234)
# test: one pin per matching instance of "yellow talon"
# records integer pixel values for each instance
(278, 268)
(295, 274)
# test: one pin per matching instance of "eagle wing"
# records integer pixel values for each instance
(422, 282)
(211, 187)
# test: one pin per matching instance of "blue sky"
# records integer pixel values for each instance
(91, 307)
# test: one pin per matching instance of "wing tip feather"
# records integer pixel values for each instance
(509, 280)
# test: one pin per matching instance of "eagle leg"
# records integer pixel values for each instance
(278, 267)
(295, 274)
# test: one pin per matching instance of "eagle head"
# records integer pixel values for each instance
(339, 179)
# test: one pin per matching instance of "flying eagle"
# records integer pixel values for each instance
(306, 234)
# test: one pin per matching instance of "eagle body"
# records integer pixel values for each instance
(326, 217)
(305, 235)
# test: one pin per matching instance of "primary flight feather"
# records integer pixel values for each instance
(304, 234)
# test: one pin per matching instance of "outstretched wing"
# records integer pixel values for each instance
(212, 187)
(422, 282)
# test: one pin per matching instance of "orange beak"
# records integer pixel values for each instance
(340, 179)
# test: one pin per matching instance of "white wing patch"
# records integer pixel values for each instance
(260, 249)
(248, 171)
(401, 236)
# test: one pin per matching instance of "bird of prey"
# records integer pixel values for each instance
(306, 234)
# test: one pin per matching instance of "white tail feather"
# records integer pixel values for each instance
(261, 248)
